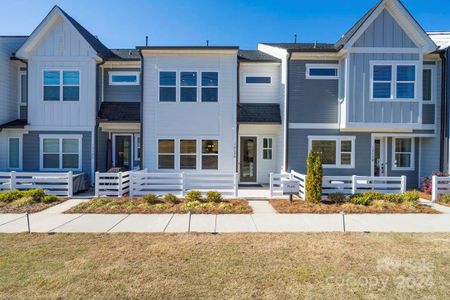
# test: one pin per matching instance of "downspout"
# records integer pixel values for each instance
(444, 147)
(286, 126)
(238, 67)
(141, 162)
(97, 94)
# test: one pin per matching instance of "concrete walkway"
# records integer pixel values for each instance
(264, 219)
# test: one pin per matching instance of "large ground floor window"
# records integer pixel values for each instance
(403, 154)
(60, 152)
(188, 154)
(335, 151)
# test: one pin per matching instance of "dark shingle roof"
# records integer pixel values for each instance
(120, 112)
(259, 113)
(15, 124)
(305, 47)
(256, 56)
(125, 54)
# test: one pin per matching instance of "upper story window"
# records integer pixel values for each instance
(61, 85)
(23, 88)
(123, 78)
(250, 79)
(428, 83)
(322, 71)
(188, 86)
(393, 81)
(335, 151)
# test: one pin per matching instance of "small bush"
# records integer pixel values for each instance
(151, 198)
(337, 198)
(191, 205)
(411, 197)
(11, 196)
(410, 204)
(382, 204)
(372, 196)
(49, 199)
(394, 198)
(36, 194)
(360, 199)
(171, 198)
(26, 200)
(445, 198)
(213, 196)
(193, 196)
(314, 174)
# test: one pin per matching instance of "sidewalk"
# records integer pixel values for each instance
(264, 219)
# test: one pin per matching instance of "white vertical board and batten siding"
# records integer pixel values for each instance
(199, 120)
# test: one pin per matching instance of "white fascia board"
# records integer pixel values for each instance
(203, 51)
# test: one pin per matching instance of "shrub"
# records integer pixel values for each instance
(171, 198)
(410, 204)
(382, 204)
(36, 194)
(394, 198)
(445, 198)
(314, 178)
(151, 198)
(191, 205)
(360, 199)
(49, 199)
(26, 200)
(193, 195)
(11, 196)
(411, 197)
(427, 183)
(213, 196)
(372, 196)
(337, 198)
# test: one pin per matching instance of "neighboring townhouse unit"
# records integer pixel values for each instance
(370, 103)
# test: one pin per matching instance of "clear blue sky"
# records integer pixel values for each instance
(123, 24)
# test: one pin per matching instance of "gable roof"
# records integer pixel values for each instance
(256, 56)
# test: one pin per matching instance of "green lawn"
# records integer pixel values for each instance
(338, 265)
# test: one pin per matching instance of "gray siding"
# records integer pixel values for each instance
(23, 112)
(102, 142)
(428, 114)
(120, 93)
(311, 100)
(385, 32)
(412, 176)
(361, 109)
(31, 149)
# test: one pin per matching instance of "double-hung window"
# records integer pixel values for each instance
(428, 83)
(61, 85)
(188, 86)
(334, 151)
(210, 86)
(137, 147)
(210, 154)
(14, 153)
(267, 148)
(394, 81)
(123, 78)
(168, 86)
(61, 153)
(403, 154)
(166, 154)
(188, 154)
(321, 71)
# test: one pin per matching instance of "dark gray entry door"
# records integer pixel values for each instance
(248, 159)
(123, 152)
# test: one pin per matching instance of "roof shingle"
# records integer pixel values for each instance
(259, 113)
(120, 112)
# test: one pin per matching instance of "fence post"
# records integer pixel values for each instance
(97, 184)
(434, 188)
(131, 183)
(271, 185)
(403, 184)
(236, 184)
(69, 184)
(354, 184)
(12, 177)
(119, 186)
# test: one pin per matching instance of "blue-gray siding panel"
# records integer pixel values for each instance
(412, 176)
(102, 147)
(23, 112)
(31, 149)
(311, 100)
(121, 93)
(428, 114)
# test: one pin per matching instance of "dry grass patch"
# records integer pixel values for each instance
(201, 266)
(300, 206)
(140, 206)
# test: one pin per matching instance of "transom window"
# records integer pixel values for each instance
(61, 153)
(188, 86)
(393, 81)
(403, 154)
(267, 148)
(335, 152)
(321, 71)
(61, 85)
(123, 78)
(250, 79)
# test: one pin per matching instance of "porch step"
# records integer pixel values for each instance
(262, 207)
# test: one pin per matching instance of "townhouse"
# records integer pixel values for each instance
(370, 104)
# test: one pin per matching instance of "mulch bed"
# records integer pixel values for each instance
(11, 208)
(300, 206)
(139, 206)
(428, 197)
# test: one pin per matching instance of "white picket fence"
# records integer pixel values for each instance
(112, 184)
(341, 184)
(440, 186)
(59, 184)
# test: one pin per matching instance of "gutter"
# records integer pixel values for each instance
(238, 152)
(97, 93)
(141, 161)
(444, 134)
(286, 129)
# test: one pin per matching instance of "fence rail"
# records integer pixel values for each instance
(440, 186)
(59, 184)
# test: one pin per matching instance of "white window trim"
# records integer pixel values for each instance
(257, 75)
(79, 137)
(21, 73)
(178, 86)
(135, 147)
(321, 66)
(394, 65)
(124, 73)
(61, 85)
(433, 84)
(338, 140)
(114, 158)
(413, 155)
(20, 153)
(267, 148)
